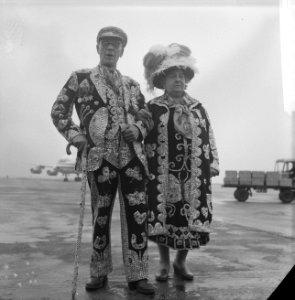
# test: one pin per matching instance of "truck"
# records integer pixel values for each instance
(281, 179)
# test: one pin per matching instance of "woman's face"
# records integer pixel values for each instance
(174, 83)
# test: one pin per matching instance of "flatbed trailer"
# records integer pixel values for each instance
(281, 179)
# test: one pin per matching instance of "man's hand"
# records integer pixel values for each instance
(79, 142)
(130, 133)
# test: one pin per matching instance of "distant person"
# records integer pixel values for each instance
(182, 158)
(107, 103)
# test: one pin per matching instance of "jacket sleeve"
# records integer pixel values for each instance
(62, 109)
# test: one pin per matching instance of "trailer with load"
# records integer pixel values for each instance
(281, 179)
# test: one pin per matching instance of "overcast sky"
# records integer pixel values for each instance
(237, 48)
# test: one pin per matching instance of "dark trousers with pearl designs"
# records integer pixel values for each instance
(130, 182)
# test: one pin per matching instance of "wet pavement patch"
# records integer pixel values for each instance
(244, 259)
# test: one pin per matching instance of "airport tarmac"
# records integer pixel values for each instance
(251, 249)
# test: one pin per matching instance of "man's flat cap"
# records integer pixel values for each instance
(112, 32)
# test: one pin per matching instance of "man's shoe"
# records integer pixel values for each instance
(142, 286)
(96, 283)
(182, 273)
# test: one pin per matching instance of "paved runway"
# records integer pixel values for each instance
(251, 250)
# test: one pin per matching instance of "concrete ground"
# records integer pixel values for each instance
(251, 250)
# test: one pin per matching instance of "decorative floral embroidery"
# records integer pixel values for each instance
(137, 265)
(106, 175)
(104, 201)
(174, 190)
(136, 198)
(85, 99)
(151, 176)
(170, 209)
(179, 243)
(136, 245)
(197, 203)
(150, 150)
(84, 88)
(204, 211)
(156, 229)
(94, 160)
(97, 126)
(185, 211)
(202, 121)
(134, 94)
(209, 202)
(85, 111)
(179, 232)
(73, 82)
(101, 221)
(62, 124)
(58, 109)
(62, 96)
(134, 173)
(139, 218)
(182, 122)
(85, 92)
(100, 242)
(151, 216)
(101, 262)
(206, 149)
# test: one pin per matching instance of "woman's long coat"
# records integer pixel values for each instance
(186, 192)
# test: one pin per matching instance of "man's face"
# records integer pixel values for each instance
(110, 50)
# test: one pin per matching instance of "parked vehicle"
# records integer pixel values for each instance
(282, 179)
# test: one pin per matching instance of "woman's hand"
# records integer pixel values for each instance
(146, 118)
(143, 115)
(213, 172)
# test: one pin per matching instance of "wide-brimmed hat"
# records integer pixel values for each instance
(160, 59)
(112, 32)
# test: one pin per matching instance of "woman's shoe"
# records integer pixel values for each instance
(182, 273)
(162, 275)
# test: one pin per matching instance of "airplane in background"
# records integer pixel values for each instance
(65, 166)
(38, 169)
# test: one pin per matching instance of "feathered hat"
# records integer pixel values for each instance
(160, 59)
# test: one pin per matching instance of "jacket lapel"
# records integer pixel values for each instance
(126, 93)
(99, 82)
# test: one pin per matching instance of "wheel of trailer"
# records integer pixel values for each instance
(241, 194)
(286, 196)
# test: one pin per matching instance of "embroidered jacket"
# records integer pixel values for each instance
(180, 149)
(90, 93)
